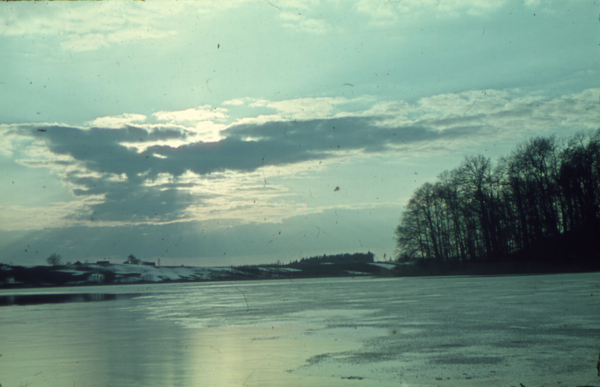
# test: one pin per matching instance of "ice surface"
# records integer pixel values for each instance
(453, 331)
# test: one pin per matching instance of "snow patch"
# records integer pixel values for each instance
(384, 265)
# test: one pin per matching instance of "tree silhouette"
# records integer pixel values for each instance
(133, 260)
(54, 259)
(545, 188)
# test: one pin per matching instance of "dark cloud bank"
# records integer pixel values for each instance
(100, 155)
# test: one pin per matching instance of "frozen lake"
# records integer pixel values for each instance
(453, 331)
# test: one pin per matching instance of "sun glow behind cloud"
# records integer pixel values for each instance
(117, 121)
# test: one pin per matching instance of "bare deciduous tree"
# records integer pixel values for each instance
(54, 259)
(547, 186)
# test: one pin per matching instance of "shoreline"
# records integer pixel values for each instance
(22, 277)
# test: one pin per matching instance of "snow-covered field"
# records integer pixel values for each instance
(146, 273)
(161, 273)
(385, 265)
(85, 274)
(107, 273)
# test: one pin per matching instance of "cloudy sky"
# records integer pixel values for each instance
(233, 132)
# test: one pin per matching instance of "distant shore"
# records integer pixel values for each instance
(118, 274)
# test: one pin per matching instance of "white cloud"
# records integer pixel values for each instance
(503, 113)
(210, 7)
(207, 131)
(116, 121)
(307, 107)
(201, 123)
(244, 198)
(304, 108)
(202, 113)
(141, 32)
(86, 42)
(94, 41)
(298, 22)
(85, 27)
(388, 12)
(259, 103)
(298, 4)
(234, 102)
(259, 120)
(9, 138)
(300, 109)
(380, 12)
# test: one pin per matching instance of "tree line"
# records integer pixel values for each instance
(546, 188)
(336, 258)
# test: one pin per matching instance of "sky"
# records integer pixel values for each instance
(216, 133)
